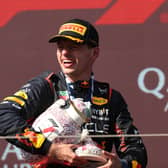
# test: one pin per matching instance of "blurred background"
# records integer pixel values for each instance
(133, 57)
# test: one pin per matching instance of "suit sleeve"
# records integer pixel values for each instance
(130, 149)
(18, 111)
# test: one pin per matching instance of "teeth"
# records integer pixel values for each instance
(67, 61)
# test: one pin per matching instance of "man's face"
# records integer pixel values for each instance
(75, 60)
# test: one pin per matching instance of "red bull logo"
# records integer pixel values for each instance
(31, 138)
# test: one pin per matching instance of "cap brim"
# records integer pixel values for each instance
(55, 38)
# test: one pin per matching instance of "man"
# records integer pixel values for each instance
(77, 49)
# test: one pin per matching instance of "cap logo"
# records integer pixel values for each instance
(77, 28)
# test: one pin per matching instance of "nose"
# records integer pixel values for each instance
(66, 52)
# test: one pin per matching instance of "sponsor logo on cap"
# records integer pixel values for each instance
(77, 28)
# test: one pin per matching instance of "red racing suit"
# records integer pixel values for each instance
(109, 116)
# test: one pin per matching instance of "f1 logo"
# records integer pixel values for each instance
(130, 11)
(116, 11)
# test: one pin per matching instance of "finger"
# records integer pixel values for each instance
(106, 165)
(74, 146)
(77, 161)
(108, 154)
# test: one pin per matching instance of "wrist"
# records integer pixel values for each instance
(51, 151)
(45, 147)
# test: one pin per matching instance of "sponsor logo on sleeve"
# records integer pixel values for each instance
(15, 99)
(22, 94)
(135, 164)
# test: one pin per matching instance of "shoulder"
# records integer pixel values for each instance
(56, 81)
(46, 77)
(114, 94)
(113, 91)
(39, 83)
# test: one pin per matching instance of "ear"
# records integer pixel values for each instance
(96, 51)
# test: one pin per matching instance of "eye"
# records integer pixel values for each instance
(60, 47)
(73, 47)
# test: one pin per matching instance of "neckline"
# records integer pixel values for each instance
(90, 88)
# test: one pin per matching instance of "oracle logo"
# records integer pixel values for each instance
(158, 90)
(116, 11)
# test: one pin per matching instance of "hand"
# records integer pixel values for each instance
(113, 161)
(64, 153)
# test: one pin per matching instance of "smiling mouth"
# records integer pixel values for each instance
(68, 63)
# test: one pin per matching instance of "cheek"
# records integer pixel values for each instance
(88, 58)
(58, 55)
(85, 62)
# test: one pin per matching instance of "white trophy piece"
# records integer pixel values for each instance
(61, 122)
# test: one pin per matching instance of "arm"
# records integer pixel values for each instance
(19, 110)
(129, 149)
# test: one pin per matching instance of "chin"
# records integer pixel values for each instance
(68, 72)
